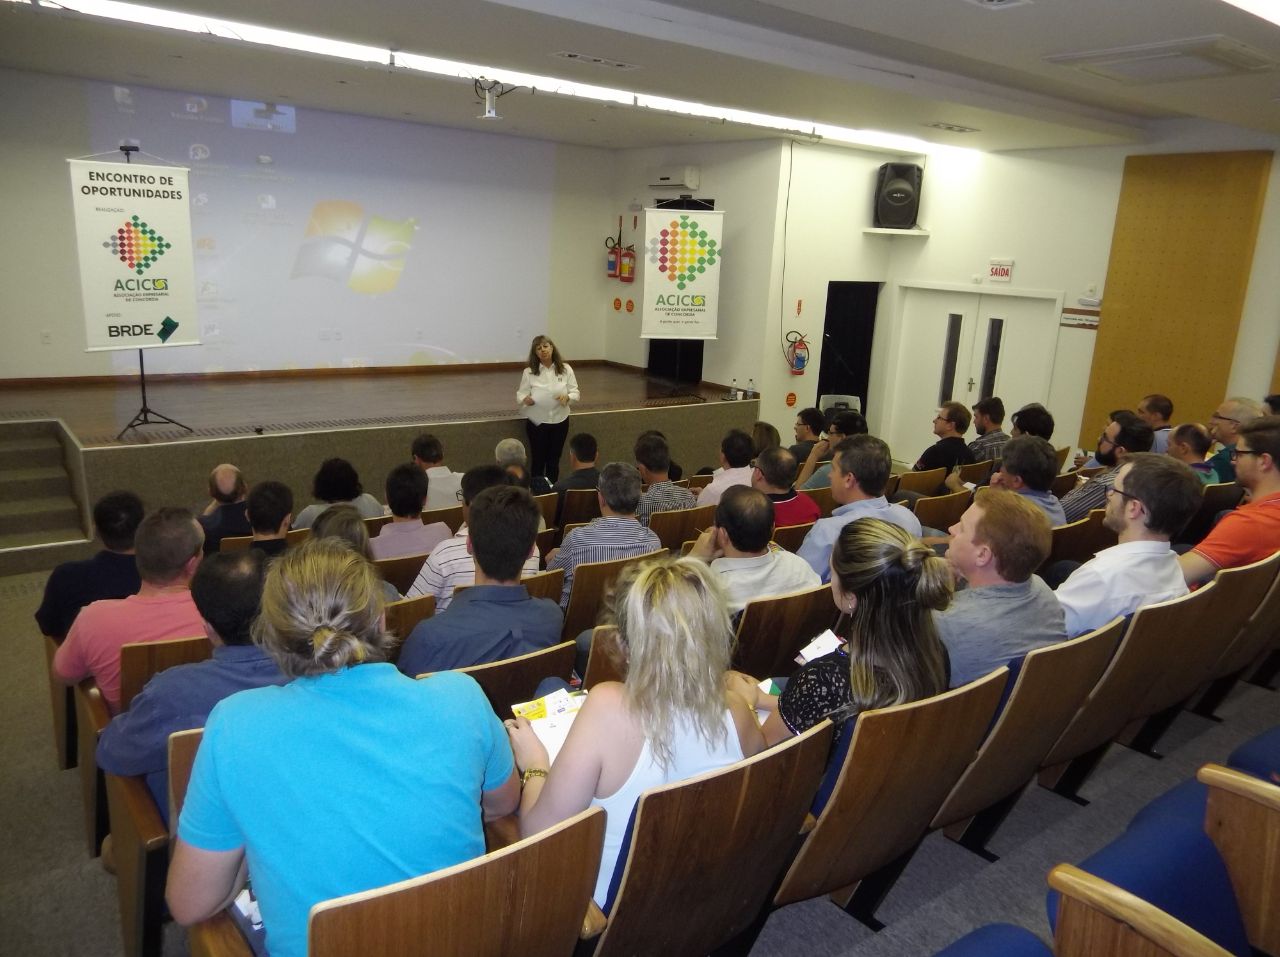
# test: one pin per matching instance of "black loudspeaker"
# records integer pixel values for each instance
(897, 198)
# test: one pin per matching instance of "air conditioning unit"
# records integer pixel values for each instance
(675, 177)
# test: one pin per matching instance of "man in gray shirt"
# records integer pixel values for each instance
(1006, 611)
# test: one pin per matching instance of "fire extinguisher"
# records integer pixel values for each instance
(613, 264)
(627, 265)
(796, 352)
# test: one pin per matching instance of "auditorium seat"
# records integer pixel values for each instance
(771, 631)
(977, 473)
(402, 571)
(547, 504)
(678, 525)
(822, 496)
(789, 537)
(606, 661)
(142, 661)
(514, 680)
(1219, 497)
(922, 483)
(942, 511)
(1080, 540)
(63, 705)
(590, 579)
(92, 716)
(404, 615)
(580, 505)
(451, 515)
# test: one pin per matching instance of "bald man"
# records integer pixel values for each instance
(224, 516)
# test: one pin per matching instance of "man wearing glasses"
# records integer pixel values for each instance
(1124, 435)
(1224, 427)
(1150, 500)
(1251, 532)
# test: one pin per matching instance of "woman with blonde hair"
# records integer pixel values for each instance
(885, 584)
(350, 777)
(669, 720)
(547, 386)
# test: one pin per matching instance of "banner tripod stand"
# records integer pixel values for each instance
(147, 415)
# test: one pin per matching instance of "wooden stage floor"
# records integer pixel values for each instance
(96, 412)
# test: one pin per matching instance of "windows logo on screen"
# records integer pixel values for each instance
(366, 253)
(136, 245)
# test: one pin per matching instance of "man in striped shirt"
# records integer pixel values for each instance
(653, 461)
(1124, 435)
(616, 534)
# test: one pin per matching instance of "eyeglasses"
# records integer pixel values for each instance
(1224, 418)
(458, 494)
(1103, 438)
(1119, 491)
(1236, 453)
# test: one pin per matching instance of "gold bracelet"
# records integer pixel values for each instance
(532, 773)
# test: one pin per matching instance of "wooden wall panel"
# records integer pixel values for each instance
(1176, 281)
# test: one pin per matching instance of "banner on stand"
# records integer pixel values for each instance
(682, 276)
(133, 234)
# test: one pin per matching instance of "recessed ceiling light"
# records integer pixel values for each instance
(999, 4)
(953, 128)
(591, 60)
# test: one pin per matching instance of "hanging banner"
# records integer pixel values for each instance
(682, 278)
(133, 233)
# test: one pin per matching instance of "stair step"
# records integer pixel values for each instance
(38, 514)
(28, 452)
(46, 536)
(43, 481)
(33, 427)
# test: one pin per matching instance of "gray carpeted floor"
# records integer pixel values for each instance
(55, 900)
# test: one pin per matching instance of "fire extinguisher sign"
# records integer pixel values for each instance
(683, 251)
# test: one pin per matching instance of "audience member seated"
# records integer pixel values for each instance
(336, 483)
(674, 472)
(815, 472)
(270, 511)
(1028, 467)
(988, 417)
(1033, 419)
(671, 720)
(1251, 532)
(1007, 610)
(1156, 410)
(737, 546)
(735, 466)
(225, 513)
(168, 547)
(616, 534)
(885, 583)
(405, 534)
(450, 563)
(443, 484)
(764, 436)
(1151, 499)
(859, 470)
(583, 473)
(227, 590)
(949, 425)
(774, 474)
(111, 573)
(1124, 435)
(344, 523)
(1224, 427)
(308, 781)
(809, 426)
(510, 454)
(653, 461)
(1190, 443)
(495, 618)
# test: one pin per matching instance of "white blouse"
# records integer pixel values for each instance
(546, 387)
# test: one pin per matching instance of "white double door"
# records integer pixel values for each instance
(967, 346)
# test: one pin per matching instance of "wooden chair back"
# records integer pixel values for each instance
(891, 486)
(590, 580)
(1080, 540)
(1098, 919)
(824, 499)
(926, 483)
(580, 505)
(683, 483)
(62, 701)
(1050, 687)
(680, 525)
(183, 746)
(92, 716)
(1091, 471)
(606, 661)
(978, 472)
(374, 525)
(1146, 651)
(1242, 818)
(1064, 483)
(451, 515)
(942, 511)
(527, 898)
(1217, 498)
(1061, 455)
(698, 482)
(141, 661)
(772, 631)
(140, 845)
(547, 504)
(705, 852)
(790, 536)
(402, 571)
(545, 541)
(1258, 633)
(545, 584)
(566, 529)
(901, 764)
(296, 536)
(234, 543)
(404, 615)
(514, 680)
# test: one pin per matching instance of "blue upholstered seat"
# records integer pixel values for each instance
(1259, 756)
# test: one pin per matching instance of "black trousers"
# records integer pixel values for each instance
(546, 442)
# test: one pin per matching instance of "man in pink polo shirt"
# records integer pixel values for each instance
(168, 546)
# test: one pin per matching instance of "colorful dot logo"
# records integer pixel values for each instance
(682, 251)
(137, 245)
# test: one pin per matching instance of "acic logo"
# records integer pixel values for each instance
(142, 285)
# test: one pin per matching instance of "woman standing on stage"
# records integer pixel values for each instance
(547, 387)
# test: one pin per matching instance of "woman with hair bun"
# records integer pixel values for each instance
(669, 720)
(886, 584)
(350, 777)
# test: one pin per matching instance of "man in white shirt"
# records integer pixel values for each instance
(738, 548)
(736, 450)
(1152, 498)
(443, 485)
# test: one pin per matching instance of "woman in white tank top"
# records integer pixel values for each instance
(671, 719)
